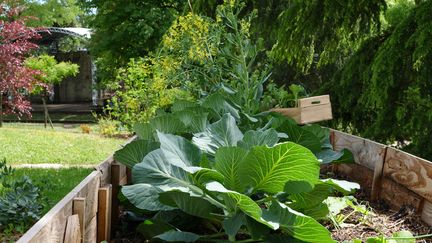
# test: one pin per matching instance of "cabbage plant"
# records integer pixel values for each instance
(260, 184)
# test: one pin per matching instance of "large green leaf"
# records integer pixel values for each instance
(268, 169)
(196, 206)
(179, 151)
(150, 228)
(168, 123)
(223, 133)
(156, 170)
(195, 119)
(296, 224)
(134, 152)
(205, 175)
(301, 136)
(232, 224)
(144, 196)
(252, 138)
(234, 201)
(145, 131)
(322, 190)
(220, 105)
(178, 236)
(228, 159)
(180, 105)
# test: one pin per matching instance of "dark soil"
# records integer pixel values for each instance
(382, 221)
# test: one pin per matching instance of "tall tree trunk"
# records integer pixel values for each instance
(46, 114)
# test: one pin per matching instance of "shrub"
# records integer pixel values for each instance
(21, 201)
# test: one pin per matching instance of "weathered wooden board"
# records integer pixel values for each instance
(411, 171)
(398, 196)
(52, 226)
(357, 173)
(73, 230)
(427, 212)
(105, 169)
(90, 193)
(90, 234)
(104, 214)
(79, 208)
(366, 152)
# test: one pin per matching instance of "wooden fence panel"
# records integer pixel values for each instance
(411, 171)
(427, 212)
(51, 227)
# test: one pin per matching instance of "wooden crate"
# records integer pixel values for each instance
(309, 110)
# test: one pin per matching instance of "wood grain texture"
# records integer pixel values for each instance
(90, 234)
(366, 152)
(104, 214)
(357, 173)
(79, 208)
(411, 171)
(398, 196)
(427, 212)
(105, 170)
(90, 193)
(73, 230)
(115, 180)
(51, 227)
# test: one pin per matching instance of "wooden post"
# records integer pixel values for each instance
(377, 179)
(73, 233)
(79, 208)
(129, 175)
(104, 214)
(115, 181)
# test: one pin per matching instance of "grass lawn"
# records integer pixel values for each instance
(54, 183)
(22, 143)
(58, 182)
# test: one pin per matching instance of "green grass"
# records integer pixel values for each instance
(56, 182)
(32, 144)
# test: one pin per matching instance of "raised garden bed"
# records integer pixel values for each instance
(398, 179)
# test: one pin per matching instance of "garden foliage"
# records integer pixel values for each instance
(384, 90)
(249, 176)
(21, 201)
(16, 79)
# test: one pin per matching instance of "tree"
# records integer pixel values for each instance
(127, 29)
(384, 91)
(50, 72)
(16, 80)
(52, 13)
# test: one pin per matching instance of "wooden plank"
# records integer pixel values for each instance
(105, 169)
(90, 234)
(104, 214)
(427, 212)
(90, 193)
(51, 227)
(377, 177)
(115, 180)
(79, 208)
(411, 171)
(73, 230)
(357, 173)
(365, 152)
(398, 196)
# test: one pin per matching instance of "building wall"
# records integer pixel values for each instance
(76, 89)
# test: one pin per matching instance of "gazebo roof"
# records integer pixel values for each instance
(52, 34)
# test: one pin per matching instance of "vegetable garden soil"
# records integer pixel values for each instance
(382, 221)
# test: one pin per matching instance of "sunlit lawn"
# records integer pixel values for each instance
(32, 144)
